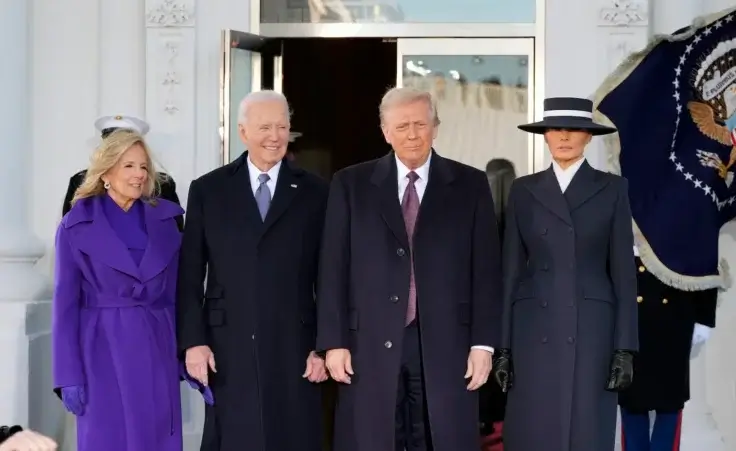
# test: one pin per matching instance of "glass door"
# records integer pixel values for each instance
(249, 63)
(483, 88)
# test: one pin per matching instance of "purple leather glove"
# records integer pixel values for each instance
(74, 399)
(206, 391)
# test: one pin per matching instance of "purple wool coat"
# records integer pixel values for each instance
(113, 325)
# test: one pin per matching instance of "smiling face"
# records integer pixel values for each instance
(128, 178)
(567, 146)
(265, 132)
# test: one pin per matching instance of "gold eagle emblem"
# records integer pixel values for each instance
(705, 119)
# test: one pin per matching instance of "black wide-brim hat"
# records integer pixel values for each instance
(569, 113)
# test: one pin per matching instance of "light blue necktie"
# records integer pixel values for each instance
(263, 195)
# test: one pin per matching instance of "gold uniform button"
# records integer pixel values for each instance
(642, 268)
(665, 301)
(639, 299)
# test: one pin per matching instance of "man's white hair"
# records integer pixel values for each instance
(260, 97)
(402, 96)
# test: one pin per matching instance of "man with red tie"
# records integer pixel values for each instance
(409, 290)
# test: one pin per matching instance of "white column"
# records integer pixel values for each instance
(623, 28)
(669, 16)
(20, 285)
(122, 57)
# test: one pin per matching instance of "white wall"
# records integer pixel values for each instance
(161, 59)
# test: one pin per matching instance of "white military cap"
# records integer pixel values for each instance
(122, 121)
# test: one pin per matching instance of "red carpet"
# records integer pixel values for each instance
(493, 442)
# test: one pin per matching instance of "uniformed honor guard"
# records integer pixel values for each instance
(676, 116)
(106, 125)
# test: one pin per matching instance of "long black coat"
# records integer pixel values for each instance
(667, 317)
(258, 315)
(570, 301)
(364, 287)
(168, 192)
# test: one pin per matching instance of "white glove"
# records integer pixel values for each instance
(700, 336)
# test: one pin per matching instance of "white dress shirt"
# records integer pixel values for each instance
(421, 185)
(254, 172)
(564, 176)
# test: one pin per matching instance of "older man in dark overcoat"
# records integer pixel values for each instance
(253, 227)
(570, 314)
(409, 291)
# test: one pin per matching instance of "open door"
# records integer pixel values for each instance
(249, 63)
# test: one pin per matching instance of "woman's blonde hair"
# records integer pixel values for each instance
(106, 156)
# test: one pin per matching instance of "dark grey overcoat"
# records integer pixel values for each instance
(569, 302)
(364, 287)
(257, 312)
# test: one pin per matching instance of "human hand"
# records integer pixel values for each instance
(339, 363)
(479, 367)
(28, 441)
(74, 399)
(315, 370)
(198, 360)
(209, 397)
(622, 371)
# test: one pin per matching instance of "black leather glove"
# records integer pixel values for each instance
(503, 369)
(8, 431)
(622, 371)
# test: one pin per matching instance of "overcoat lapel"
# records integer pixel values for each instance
(287, 187)
(586, 184)
(385, 179)
(435, 196)
(163, 242)
(547, 191)
(94, 236)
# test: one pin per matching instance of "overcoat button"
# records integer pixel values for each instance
(570, 340)
(400, 252)
(570, 230)
(639, 299)
(544, 340)
(642, 268)
(544, 231)
(665, 301)
(388, 345)
(394, 298)
(544, 304)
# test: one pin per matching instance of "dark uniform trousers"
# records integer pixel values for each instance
(412, 425)
(667, 317)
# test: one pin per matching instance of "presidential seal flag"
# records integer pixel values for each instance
(674, 105)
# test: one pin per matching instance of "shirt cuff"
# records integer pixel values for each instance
(484, 348)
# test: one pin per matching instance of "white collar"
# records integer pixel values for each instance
(422, 171)
(273, 173)
(570, 171)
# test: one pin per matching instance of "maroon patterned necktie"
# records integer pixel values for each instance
(410, 209)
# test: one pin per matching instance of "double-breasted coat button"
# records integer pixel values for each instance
(388, 345)
(642, 268)
(544, 304)
(400, 252)
(665, 301)
(639, 299)
(571, 339)
(394, 298)
(544, 231)
(544, 340)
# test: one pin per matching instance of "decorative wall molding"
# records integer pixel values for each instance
(624, 13)
(170, 13)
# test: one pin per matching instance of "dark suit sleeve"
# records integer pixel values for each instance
(623, 272)
(514, 264)
(168, 192)
(705, 304)
(193, 258)
(74, 183)
(333, 280)
(486, 271)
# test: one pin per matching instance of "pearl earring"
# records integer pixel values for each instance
(107, 185)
